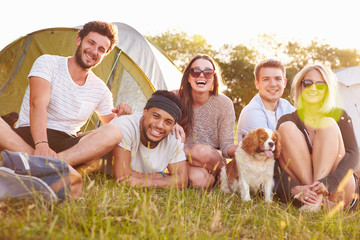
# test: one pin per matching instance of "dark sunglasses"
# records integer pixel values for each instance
(318, 85)
(196, 72)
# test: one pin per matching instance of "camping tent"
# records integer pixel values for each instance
(349, 91)
(133, 70)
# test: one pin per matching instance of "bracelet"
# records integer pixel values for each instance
(40, 142)
(163, 174)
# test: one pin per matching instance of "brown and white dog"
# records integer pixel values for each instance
(253, 166)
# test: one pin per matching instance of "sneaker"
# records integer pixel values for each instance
(311, 208)
(13, 185)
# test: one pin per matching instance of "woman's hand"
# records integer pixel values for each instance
(304, 194)
(231, 150)
(179, 132)
(319, 188)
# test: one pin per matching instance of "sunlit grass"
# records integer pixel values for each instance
(112, 211)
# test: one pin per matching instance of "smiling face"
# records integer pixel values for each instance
(91, 50)
(155, 125)
(271, 84)
(201, 83)
(311, 94)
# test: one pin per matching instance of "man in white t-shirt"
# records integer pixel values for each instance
(63, 92)
(265, 109)
(147, 148)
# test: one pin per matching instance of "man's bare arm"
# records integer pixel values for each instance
(121, 109)
(40, 90)
(178, 176)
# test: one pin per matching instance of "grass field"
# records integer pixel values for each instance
(112, 211)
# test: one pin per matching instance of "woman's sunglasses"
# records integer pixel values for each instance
(318, 85)
(196, 72)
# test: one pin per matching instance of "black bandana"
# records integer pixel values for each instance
(164, 104)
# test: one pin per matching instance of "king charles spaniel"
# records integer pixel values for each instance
(253, 166)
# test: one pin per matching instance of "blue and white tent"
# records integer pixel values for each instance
(349, 93)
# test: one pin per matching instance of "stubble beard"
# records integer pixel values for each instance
(143, 130)
(79, 60)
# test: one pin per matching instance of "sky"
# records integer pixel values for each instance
(219, 21)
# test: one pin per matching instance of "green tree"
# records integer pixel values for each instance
(237, 73)
(317, 52)
(180, 47)
(237, 62)
(348, 58)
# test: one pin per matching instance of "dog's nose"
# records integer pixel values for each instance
(271, 144)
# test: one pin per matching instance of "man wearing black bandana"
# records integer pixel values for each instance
(147, 149)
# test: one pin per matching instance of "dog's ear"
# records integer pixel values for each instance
(250, 142)
(277, 144)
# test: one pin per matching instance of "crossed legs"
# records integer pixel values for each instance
(93, 146)
(328, 150)
(90, 147)
(205, 163)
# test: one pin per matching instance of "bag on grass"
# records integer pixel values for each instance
(26, 176)
(13, 185)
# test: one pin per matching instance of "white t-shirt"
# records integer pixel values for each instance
(143, 159)
(70, 105)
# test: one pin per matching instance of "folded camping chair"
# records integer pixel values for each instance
(28, 176)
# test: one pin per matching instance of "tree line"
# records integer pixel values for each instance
(238, 62)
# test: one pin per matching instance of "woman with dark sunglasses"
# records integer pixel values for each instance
(208, 120)
(319, 148)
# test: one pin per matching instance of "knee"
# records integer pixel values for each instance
(201, 152)
(112, 133)
(289, 134)
(201, 178)
(287, 128)
(328, 125)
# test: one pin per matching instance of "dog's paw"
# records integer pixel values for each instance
(268, 200)
(246, 199)
(224, 189)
